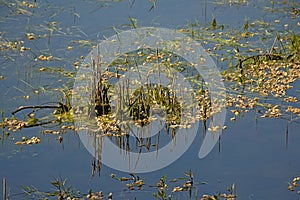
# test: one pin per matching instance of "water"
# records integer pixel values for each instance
(253, 154)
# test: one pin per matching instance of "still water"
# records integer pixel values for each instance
(257, 155)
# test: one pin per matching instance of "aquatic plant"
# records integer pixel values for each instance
(61, 191)
(164, 189)
(260, 64)
(294, 185)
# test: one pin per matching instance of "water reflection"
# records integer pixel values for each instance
(150, 80)
(30, 76)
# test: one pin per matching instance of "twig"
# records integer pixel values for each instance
(32, 107)
(39, 124)
(268, 55)
(4, 188)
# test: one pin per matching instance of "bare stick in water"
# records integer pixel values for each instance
(4, 188)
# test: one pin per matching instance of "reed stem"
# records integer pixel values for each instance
(4, 188)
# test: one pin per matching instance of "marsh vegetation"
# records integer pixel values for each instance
(259, 63)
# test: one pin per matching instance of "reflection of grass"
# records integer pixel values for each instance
(259, 67)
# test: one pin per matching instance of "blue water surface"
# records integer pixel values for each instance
(258, 155)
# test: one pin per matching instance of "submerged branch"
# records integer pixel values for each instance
(32, 107)
(61, 106)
